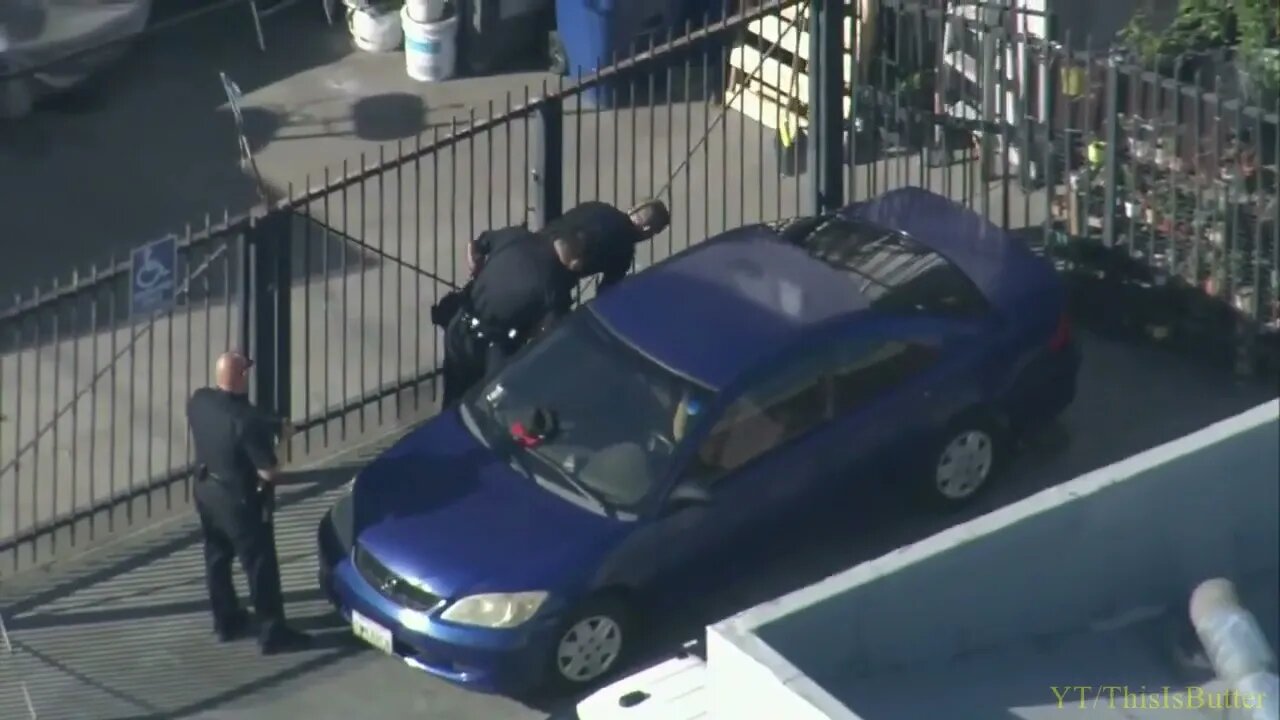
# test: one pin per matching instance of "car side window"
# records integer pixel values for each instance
(763, 418)
(866, 371)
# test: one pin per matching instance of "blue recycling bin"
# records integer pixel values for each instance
(594, 33)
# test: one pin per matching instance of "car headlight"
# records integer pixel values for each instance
(495, 610)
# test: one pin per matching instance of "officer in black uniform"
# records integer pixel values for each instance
(235, 456)
(611, 237)
(522, 286)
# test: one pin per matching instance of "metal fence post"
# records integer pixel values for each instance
(826, 106)
(244, 291)
(271, 272)
(1111, 164)
(549, 163)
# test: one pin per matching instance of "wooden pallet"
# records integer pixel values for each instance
(774, 89)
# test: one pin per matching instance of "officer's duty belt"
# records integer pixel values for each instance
(486, 332)
(203, 474)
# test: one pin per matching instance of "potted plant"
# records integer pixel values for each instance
(1132, 208)
(1149, 214)
(1199, 27)
(916, 89)
(1130, 192)
(1165, 154)
(1258, 53)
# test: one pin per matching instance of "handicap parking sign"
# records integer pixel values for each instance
(153, 277)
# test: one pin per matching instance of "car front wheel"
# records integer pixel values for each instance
(591, 643)
(968, 458)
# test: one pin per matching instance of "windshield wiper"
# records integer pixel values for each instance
(541, 425)
(517, 457)
(586, 491)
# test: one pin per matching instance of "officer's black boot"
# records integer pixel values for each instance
(233, 627)
(280, 638)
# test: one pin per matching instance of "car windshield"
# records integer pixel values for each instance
(609, 417)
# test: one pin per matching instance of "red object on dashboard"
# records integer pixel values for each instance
(523, 436)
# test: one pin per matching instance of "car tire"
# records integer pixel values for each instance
(591, 643)
(968, 457)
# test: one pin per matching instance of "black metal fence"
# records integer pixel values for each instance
(1154, 191)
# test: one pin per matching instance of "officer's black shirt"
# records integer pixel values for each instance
(612, 239)
(233, 439)
(489, 240)
(522, 285)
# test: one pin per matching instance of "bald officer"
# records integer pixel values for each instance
(236, 461)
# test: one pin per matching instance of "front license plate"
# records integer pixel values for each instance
(371, 632)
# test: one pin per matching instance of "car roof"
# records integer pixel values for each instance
(715, 311)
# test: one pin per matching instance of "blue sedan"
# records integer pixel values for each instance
(621, 464)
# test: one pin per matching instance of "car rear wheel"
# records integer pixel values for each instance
(968, 457)
(591, 643)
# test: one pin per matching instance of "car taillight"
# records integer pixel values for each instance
(1061, 338)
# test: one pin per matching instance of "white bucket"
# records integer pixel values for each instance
(430, 48)
(374, 31)
(431, 11)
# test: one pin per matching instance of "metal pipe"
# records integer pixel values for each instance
(1237, 648)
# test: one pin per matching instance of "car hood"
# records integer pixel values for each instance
(442, 508)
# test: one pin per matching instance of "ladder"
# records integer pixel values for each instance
(769, 68)
(988, 46)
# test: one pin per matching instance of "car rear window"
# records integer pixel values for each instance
(891, 270)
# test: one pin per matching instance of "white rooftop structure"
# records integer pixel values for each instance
(1072, 601)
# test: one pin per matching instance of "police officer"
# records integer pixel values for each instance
(235, 456)
(519, 289)
(611, 237)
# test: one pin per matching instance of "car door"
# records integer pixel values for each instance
(892, 392)
(753, 461)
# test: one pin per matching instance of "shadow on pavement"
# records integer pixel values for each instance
(127, 633)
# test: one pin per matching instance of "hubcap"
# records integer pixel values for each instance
(964, 465)
(589, 649)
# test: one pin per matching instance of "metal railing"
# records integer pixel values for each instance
(15, 696)
(732, 122)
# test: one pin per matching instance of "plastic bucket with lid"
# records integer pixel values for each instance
(373, 30)
(428, 10)
(430, 48)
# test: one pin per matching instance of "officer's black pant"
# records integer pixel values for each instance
(468, 359)
(236, 526)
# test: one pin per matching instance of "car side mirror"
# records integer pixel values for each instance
(689, 493)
